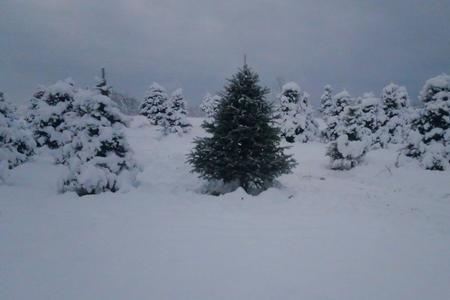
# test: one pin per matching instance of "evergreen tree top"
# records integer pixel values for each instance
(244, 84)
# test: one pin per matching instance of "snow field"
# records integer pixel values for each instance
(373, 232)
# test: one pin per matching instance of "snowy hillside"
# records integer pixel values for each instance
(374, 232)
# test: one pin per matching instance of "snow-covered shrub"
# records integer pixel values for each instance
(98, 158)
(49, 108)
(16, 141)
(175, 119)
(210, 104)
(440, 83)
(326, 101)
(340, 101)
(352, 142)
(429, 140)
(396, 114)
(296, 120)
(372, 118)
(155, 104)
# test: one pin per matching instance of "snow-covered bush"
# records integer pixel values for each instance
(340, 101)
(372, 118)
(49, 108)
(296, 120)
(429, 140)
(210, 104)
(16, 141)
(175, 119)
(98, 158)
(326, 101)
(396, 114)
(352, 141)
(155, 104)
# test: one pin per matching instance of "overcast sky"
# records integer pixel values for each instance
(357, 45)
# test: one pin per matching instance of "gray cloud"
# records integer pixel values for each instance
(357, 45)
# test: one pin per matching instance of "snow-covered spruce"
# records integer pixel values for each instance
(99, 158)
(175, 118)
(16, 141)
(352, 142)
(155, 104)
(372, 118)
(326, 101)
(296, 120)
(243, 147)
(49, 108)
(210, 104)
(340, 101)
(429, 139)
(396, 114)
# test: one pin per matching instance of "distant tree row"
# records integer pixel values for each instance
(84, 130)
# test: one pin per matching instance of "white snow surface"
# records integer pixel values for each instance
(374, 232)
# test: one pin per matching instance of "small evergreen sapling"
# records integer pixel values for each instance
(326, 101)
(209, 105)
(396, 109)
(99, 158)
(352, 142)
(16, 141)
(340, 102)
(296, 119)
(243, 147)
(175, 118)
(429, 140)
(155, 104)
(49, 110)
(372, 118)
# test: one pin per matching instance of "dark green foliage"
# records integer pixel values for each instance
(244, 145)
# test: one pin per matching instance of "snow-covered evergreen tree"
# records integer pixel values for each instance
(326, 101)
(16, 141)
(49, 108)
(243, 146)
(396, 114)
(98, 158)
(340, 101)
(210, 104)
(296, 119)
(101, 85)
(352, 142)
(175, 118)
(372, 118)
(429, 140)
(155, 104)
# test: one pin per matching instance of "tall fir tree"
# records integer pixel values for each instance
(295, 114)
(244, 145)
(396, 113)
(429, 139)
(326, 101)
(155, 104)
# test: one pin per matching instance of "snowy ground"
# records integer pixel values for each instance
(375, 232)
